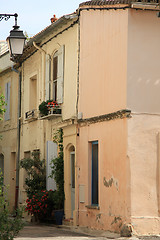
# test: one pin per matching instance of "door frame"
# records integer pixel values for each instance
(72, 188)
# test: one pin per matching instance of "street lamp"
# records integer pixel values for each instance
(16, 39)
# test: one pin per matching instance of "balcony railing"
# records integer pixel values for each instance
(49, 109)
(31, 115)
(52, 113)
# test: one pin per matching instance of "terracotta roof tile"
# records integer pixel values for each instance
(104, 2)
(113, 2)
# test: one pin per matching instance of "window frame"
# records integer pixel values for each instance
(55, 76)
(94, 200)
(7, 100)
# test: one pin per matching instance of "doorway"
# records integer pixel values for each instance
(72, 160)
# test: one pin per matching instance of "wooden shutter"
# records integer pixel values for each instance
(60, 78)
(1, 164)
(7, 100)
(47, 78)
(51, 154)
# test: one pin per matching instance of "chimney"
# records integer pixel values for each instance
(53, 19)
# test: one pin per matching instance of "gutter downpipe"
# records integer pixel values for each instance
(18, 136)
(78, 93)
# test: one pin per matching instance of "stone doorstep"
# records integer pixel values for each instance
(91, 232)
(68, 222)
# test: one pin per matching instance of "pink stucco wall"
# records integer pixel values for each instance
(103, 61)
(114, 177)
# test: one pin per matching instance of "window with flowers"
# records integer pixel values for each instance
(58, 75)
(49, 107)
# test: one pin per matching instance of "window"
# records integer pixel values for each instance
(52, 149)
(55, 71)
(58, 75)
(27, 154)
(7, 100)
(2, 164)
(94, 175)
(33, 93)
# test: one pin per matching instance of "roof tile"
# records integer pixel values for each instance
(103, 2)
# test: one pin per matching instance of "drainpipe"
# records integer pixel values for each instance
(18, 136)
(78, 95)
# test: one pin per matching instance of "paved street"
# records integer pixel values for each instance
(51, 232)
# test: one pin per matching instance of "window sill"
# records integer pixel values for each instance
(50, 116)
(31, 119)
(93, 207)
(31, 115)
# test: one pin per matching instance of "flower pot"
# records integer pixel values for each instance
(57, 111)
(59, 216)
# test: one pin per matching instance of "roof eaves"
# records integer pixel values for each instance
(54, 26)
(29, 49)
(103, 2)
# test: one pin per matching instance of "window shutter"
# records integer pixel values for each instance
(1, 165)
(47, 79)
(60, 77)
(7, 100)
(51, 154)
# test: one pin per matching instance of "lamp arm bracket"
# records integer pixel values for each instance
(7, 16)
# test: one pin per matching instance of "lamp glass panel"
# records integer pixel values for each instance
(16, 46)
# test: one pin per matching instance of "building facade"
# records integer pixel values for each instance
(101, 66)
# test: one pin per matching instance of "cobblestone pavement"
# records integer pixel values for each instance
(52, 232)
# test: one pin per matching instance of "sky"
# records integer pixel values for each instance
(33, 15)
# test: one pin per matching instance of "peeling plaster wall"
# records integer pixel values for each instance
(143, 147)
(114, 181)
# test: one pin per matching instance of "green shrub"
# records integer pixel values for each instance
(9, 226)
(41, 204)
(57, 172)
(36, 174)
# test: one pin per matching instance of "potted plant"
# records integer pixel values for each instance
(43, 109)
(40, 205)
(57, 172)
(49, 107)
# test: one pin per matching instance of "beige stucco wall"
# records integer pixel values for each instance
(143, 86)
(103, 61)
(69, 39)
(36, 133)
(34, 66)
(69, 141)
(5, 61)
(8, 131)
